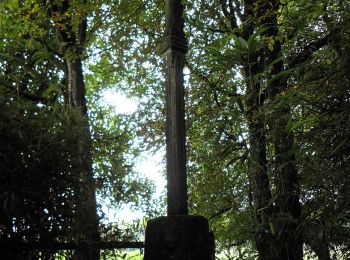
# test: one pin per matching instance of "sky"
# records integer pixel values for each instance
(148, 165)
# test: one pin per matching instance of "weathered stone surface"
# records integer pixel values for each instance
(174, 36)
(173, 51)
(179, 238)
(175, 134)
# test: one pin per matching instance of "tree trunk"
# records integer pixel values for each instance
(258, 178)
(259, 182)
(288, 208)
(277, 235)
(86, 216)
(85, 231)
(289, 242)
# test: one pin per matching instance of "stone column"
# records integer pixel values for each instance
(173, 51)
(177, 236)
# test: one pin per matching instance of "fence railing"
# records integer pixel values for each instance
(55, 246)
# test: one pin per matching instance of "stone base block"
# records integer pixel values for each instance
(179, 238)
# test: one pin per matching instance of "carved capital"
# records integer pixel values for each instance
(175, 40)
(174, 36)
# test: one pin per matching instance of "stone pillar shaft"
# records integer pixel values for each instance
(173, 51)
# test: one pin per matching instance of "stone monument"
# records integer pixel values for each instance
(177, 236)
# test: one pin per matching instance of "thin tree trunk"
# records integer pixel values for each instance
(288, 208)
(258, 178)
(259, 182)
(288, 236)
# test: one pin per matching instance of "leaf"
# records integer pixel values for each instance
(289, 125)
(345, 141)
(3, 227)
(271, 44)
(272, 227)
(284, 73)
(302, 123)
(253, 39)
(240, 103)
(243, 43)
(252, 44)
(51, 89)
(41, 55)
(237, 42)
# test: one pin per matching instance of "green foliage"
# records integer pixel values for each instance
(113, 160)
(39, 131)
(217, 103)
(126, 231)
(228, 66)
(38, 162)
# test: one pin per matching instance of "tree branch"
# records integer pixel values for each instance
(230, 15)
(238, 9)
(220, 212)
(29, 96)
(309, 50)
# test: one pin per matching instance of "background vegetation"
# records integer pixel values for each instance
(267, 110)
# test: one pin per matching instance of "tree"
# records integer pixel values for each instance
(50, 83)
(270, 41)
(257, 51)
(244, 63)
(72, 39)
(267, 117)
